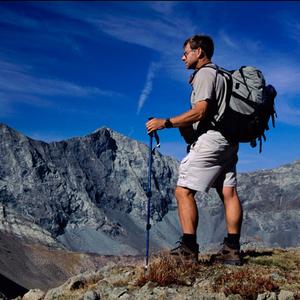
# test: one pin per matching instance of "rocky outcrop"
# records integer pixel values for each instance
(272, 205)
(25, 228)
(87, 193)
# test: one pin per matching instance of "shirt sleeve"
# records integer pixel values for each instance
(204, 85)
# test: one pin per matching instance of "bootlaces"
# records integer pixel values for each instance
(179, 246)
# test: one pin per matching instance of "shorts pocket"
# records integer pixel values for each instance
(205, 144)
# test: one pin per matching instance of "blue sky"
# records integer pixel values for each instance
(68, 68)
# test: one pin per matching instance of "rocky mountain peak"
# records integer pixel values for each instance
(84, 187)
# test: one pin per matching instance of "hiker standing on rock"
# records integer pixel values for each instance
(211, 160)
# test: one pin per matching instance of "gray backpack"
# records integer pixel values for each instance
(249, 105)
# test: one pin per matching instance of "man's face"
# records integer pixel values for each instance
(190, 57)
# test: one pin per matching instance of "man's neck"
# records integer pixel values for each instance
(202, 62)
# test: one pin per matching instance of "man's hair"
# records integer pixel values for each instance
(204, 42)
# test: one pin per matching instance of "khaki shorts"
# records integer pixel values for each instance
(211, 162)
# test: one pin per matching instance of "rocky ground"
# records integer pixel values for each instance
(266, 274)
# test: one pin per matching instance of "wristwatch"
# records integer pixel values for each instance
(168, 123)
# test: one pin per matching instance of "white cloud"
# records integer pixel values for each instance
(16, 79)
(130, 23)
(285, 76)
(164, 7)
(232, 43)
(289, 112)
(289, 23)
(233, 51)
(17, 19)
(295, 29)
(148, 86)
(163, 32)
(156, 34)
(228, 40)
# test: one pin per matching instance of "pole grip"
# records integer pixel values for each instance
(154, 133)
(151, 133)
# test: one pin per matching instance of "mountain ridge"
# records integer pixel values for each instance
(71, 171)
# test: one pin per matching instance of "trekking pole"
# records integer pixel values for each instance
(149, 191)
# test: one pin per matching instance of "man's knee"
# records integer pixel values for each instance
(182, 193)
(179, 193)
(229, 192)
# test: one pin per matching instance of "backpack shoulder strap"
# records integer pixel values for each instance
(208, 65)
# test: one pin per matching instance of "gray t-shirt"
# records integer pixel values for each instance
(205, 87)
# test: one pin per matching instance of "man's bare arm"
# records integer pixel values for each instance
(195, 114)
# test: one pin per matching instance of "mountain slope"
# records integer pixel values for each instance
(88, 193)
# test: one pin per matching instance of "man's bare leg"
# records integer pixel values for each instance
(233, 209)
(188, 217)
(230, 252)
(187, 210)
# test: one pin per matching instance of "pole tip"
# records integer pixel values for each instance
(146, 268)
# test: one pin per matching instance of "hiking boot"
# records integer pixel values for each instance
(227, 255)
(184, 253)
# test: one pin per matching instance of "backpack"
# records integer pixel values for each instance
(249, 105)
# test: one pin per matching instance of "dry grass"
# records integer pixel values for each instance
(166, 270)
(263, 271)
(247, 282)
(283, 259)
(284, 264)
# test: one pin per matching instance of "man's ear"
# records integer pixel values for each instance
(201, 53)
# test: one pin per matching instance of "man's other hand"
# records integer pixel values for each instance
(155, 124)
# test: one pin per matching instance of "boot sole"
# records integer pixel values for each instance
(182, 258)
(233, 263)
(228, 262)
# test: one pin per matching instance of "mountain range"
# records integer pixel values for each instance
(88, 194)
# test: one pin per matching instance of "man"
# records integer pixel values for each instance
(211, 161)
